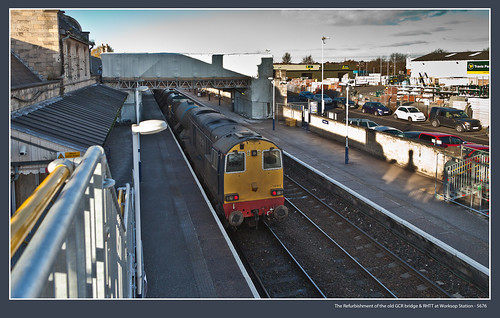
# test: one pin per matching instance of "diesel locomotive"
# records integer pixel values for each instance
(242, 171)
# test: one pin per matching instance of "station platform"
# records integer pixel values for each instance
(186, 251)
(408, 195)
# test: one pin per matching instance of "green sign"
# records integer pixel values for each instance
(478, 67)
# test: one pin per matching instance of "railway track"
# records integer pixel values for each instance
(276, 272)
(391, 275)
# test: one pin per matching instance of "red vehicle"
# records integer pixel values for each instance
(441, 139)
(471, 150)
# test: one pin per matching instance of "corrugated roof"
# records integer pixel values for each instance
(456, 56)
(78, 119)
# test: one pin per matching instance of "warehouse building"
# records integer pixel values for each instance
(313, 71)
(451, 69)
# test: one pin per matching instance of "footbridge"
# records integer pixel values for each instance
(244, 78)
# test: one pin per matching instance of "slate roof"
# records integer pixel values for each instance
(20, 74)
(456, 56)
(78, 119)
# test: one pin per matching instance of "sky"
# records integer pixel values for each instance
(353, 34)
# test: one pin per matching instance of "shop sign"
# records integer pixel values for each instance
(478, 67)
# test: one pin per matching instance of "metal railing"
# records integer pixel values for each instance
(84, 246)
(469, 179)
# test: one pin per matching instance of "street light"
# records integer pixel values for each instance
(144, 128)
(274, 96)
(322, 100)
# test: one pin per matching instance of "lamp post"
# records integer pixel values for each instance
(145, 128)
(274, 99)
(140, 89)
(347, 122)
(323, 39)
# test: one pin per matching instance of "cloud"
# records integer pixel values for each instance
(406, 43)
(362, 17)
(421, 32)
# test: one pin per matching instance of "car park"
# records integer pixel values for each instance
(326, 98)
(305, 95)
(454, 118)
(410, 113)
(363, 122)
(339, 102)
(376, 108)
(389, 130)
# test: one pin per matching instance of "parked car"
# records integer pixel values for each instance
(390, 130)
(339, 102)
(376, 108)
(454, 118)
(362, 122)
(441, 139)
(410, 113)
(305, 95)
(412, 134)
(328, 100)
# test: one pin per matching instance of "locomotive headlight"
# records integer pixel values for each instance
(276, 192)
(232, 197)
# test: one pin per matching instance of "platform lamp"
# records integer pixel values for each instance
(323, 39)
(147, 127)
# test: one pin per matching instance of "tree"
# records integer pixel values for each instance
(287, 58)
(308, 60)
(96, 52)
(439, 51)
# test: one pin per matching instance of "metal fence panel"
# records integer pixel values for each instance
(83, 248)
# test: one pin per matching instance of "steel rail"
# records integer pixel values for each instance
(295, 261)
(346, 253)
(248, 264)
(435, 287)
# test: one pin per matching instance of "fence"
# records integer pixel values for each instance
(469, 179)
(84, 246)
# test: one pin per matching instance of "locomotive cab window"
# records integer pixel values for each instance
(272, 159)
(235, 162)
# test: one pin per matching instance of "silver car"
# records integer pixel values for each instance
(390, 130)
(326, 98)
(363, 122)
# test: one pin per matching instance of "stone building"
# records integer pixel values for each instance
(55, 98)
(53, 47)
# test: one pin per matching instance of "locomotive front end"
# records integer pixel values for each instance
(253, 182)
